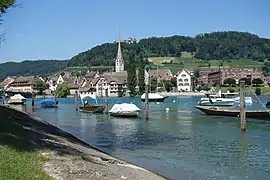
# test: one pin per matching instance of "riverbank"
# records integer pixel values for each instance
(31, 148)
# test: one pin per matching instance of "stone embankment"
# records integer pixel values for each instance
(66, 157)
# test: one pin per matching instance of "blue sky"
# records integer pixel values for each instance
(59, 29)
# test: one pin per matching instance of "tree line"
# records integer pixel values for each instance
(217, 45)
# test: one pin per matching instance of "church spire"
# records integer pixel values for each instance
(119, 62)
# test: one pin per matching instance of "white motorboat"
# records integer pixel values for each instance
(216, 100)
(248, 100)
(153, 97)
(17, 99)
(124, 110)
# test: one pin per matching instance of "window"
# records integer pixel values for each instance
(180, 80)
(186, 80)
(186, 84)
(180, 84)
(183, 75)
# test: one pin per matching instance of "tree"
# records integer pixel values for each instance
(247, 81)
(40, 86)
(62, 90)
(4, 6)
(258, 91)
(131, 71)
(174, 81)
(257, 81)
(168, 86)
(141, 78)
(229, 81)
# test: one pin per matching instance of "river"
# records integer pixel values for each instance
(181, 143)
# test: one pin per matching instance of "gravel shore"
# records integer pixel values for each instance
(68, 158)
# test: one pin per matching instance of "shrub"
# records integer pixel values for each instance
(258, 91)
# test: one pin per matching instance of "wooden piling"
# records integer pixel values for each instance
(76, 100)
(106, 100)
(146, 96)
(242, 106)
(33, 99)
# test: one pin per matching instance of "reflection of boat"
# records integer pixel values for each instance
(257, 114)
(17, 99)
(153, 97)
(49, 103)
(91, 107)
(124, 110)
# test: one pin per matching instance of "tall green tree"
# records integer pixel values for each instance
(62, 90)
(141, 78)
(131, 71)
(40, 86)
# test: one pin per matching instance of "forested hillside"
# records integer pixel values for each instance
(39, 67)
(216, 45)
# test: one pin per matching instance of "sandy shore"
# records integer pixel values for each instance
(69, 158)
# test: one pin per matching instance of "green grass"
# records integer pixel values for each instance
(22, 165)
(192, 63)
(18, 158)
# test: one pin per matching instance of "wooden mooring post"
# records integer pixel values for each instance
(146, 98)
(33, 99)
(242, 106)
(76, 100)
(106, 100)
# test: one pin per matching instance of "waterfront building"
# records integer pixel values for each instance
(185, 81)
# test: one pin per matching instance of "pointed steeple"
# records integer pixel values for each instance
(119, 62)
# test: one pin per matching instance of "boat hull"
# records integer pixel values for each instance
(260, 114)
(155, 100)
(50, 106)
(125, 114)
(92, 108)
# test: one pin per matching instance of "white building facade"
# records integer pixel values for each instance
(185, 81)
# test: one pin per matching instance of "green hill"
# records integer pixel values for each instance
(234, 49)
(216, 45)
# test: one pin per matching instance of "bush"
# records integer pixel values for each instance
(231, 90)
(258, 91)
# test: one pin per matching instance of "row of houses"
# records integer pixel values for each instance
(116, 82)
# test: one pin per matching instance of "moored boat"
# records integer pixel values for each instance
(49, 103)
(153, 97)
(93, 108)
(267, 105)
(124, 110)
(216, 111)
(17, 99)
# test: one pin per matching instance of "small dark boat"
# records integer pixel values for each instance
(215, 111)
(267, 104)
(92, 108)
(49, 103)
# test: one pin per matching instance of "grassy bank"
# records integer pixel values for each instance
(18, 157)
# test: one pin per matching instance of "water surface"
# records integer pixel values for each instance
(180, 144)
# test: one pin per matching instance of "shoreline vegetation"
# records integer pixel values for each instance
(33, 149)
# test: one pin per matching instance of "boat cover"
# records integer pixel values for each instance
(124, 107)
(48, 102)
(152, 96)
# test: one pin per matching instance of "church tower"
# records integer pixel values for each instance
(119, 62)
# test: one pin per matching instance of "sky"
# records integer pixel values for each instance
(60, 29)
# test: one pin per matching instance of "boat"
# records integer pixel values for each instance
(153, 96)
(216, 100)
(127, 110)
(216, 111)
(49, 103)
(248, 100)
(93, 108)
(267, 105)
(17, 99)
